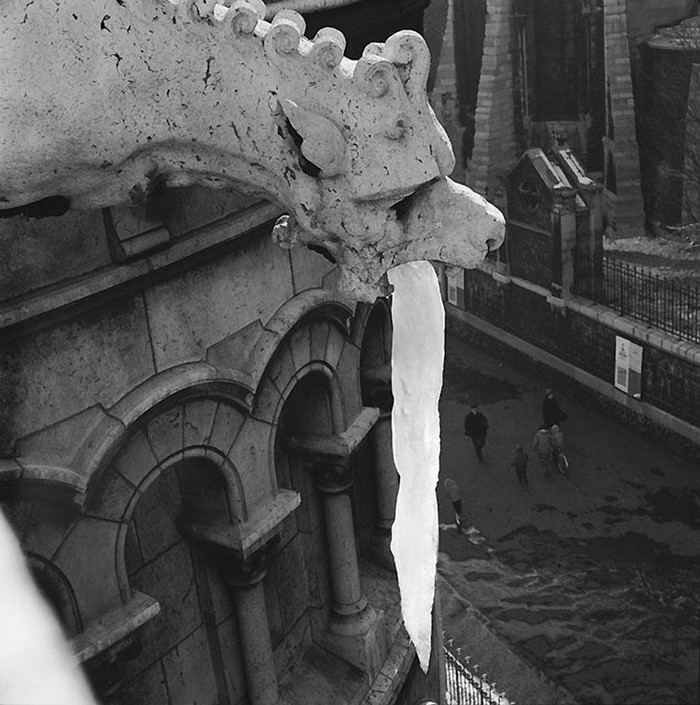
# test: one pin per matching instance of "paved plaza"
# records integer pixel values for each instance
(592, 579)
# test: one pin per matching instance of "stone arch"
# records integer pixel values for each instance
(298, 586)
(306, 308)
(314, 344)
(190, 428)
(179, 383)
(194, 641)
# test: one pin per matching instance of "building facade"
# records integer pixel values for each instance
(547, 74)
(196, 449)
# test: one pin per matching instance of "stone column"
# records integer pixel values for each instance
(355, 628)
(387, 487)
(245, 581)
(333, 481)
(387, 476)
(243, 571)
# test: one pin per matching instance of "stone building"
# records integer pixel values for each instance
(520, 74)
(195, 443)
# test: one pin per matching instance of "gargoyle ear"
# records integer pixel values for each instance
(322, 142)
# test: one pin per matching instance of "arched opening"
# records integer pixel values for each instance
(297, 586)
(191, 652)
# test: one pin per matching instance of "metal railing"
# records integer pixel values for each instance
(635, 292)
(465, 685)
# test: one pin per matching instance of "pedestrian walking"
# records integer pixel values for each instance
(552, 413)
(542, 443)
(519, 462)
(557, 437)
(476, 427)
(455, 494)
(559, 459)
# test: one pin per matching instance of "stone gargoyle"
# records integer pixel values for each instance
(101, 101)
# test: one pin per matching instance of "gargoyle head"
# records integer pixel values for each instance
(374, 192)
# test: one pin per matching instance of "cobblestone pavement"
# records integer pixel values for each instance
(592, 578)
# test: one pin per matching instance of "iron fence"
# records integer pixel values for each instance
(465, 685)
(636, 292)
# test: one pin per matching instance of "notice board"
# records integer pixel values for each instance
(628, 367)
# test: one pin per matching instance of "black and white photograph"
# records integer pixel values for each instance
(349, 352)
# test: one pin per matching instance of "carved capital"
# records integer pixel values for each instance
(331, 478)
(237, 566)
(247, 572)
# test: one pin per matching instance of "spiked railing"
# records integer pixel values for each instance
(465, 685)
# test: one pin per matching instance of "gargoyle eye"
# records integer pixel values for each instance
(319, 141)
(308, 167)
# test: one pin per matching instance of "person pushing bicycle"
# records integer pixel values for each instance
(556, 436)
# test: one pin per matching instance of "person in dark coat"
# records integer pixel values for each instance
(476, 427)
(552, 415)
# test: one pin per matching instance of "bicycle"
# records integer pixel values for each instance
(561, 462)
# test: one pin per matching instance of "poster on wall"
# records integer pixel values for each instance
(628, 367)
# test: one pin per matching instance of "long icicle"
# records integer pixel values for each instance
(417, 358)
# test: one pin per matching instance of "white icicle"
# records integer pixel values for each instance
(417, 357)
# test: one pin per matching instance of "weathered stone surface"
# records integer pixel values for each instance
(289, 574)
(42, 252)
(318, 576)
(300, 346)
(288, 652)
(221, 601)
(113, 499)
(147, 687)
(189, 314)
(169, 579)
(136, 459)
(89, 550)
(309, 515)
(57, 444)
(250, 455)
(46, 528)
(188, 671)
(334, 346)
(282, 368)
(308, 268)
(154, 518)
(231, 654)
(66, 369)
(227, 423)
(165, 433)
(210, 95)
(320, 331)
(199, 420)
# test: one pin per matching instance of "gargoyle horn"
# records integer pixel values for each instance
(323, 144)
(408, 51)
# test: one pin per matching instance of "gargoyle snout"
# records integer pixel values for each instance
(495, 239)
